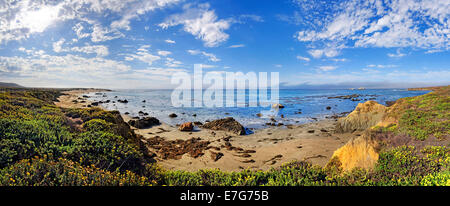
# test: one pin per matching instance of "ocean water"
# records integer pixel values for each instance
(301, 106)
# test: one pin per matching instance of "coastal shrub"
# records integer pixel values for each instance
(437, 179)
(31, 125)
(42, 172)
(106, 150)
(406, 165)
(25, 139)
(97, 125)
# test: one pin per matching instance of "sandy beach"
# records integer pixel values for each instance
(262, 150)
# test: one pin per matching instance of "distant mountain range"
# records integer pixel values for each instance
(12, 85)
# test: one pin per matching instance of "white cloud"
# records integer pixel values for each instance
(100, 33)
(243, 18)
(202, 23)
(78, 28)
(327, 68)
(210, 56)
(137, 8)
(100, 50)
(373, 23)
(170, 41)
(20, 19)
(398, 54)
(164, 53)
(143, 55)
(57, 46)
(318, 53)
(339, 59)
(303, 58)
(207, 66)
(381, 66)
(170, 62)
(39, 63)
(144, 48)
(237, 46)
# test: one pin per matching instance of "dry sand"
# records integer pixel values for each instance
(66, 100)
(271, 147)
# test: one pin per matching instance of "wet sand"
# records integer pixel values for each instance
(262, 150)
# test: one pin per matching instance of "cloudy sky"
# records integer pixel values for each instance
(139, 44)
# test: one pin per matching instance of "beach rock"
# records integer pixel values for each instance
(198, 123)
(143, 101)
(94, 103)
(345, 96)
(227, 124)
(328, 108)
(278, 106)
(187, 126)
(390, 103)
(123, 101)
(173, 115)
(126, 113)
(145, 122)
(364, 116)
(259, 115)
(194, 115)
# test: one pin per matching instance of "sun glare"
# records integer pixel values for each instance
(39, 20)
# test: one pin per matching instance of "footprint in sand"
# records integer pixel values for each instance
(248, 161)
(273, 160)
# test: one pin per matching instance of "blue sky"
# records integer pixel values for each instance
(140, 44)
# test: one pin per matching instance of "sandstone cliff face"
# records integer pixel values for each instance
(359, 152)
(365, 115)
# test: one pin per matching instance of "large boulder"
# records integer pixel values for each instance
(145, 122)
(228, 124)
(187, 126)
(364, 116)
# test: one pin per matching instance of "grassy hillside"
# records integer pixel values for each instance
(10, 85)
(41, 144)
(422, 117)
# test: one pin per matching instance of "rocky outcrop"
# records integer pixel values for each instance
(364, 116)
(359, 152)
(144, 122)
(187, 126)
(227, 124)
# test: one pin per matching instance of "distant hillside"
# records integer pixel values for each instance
(11, 85)
(426, 88)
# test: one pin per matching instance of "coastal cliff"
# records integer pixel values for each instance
(415, 121)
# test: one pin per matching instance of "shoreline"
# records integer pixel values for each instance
(265, 148)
